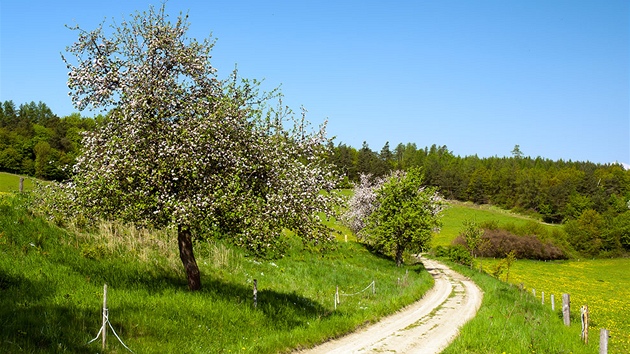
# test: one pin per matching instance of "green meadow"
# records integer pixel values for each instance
(457, 213)
(601, 284)
(51, 286)
(10, 183)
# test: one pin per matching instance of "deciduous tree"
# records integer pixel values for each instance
(183, 148)
(402, 214)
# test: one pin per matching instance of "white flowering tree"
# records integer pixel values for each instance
(362, 203)
(182, 148)
(395, 214)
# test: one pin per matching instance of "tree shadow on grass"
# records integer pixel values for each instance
(282, 310)
(285, 310)
(29, 322)
(376, 253)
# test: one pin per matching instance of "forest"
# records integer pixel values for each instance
(36, 142)
(592, 200)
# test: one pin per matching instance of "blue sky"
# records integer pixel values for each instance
(478, 76)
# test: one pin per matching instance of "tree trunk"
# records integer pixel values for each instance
(184, 239)
(399, 255)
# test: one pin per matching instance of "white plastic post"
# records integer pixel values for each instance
(104, 316)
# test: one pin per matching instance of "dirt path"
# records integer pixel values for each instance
(427, 326)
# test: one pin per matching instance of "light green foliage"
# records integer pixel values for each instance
(473, 234)
(405, 217)
(510, 259)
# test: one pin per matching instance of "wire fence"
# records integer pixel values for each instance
(372, 285)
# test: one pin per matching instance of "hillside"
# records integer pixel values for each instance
(10, 183)
(457, 213)
(51, 281)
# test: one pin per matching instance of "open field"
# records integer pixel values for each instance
(51, 281)
(457, 213)
(602, 284)
(513, 321)
(10, 183)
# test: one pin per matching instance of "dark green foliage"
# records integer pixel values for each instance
(35, 142)
(460, 254)
(553, 191)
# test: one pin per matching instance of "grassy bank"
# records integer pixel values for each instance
(51, 283)
(602, 284)
(513, 321)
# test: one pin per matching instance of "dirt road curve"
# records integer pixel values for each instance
(427, 326)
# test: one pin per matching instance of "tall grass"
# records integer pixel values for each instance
(51, 283)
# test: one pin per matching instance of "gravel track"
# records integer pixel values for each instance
(427, 326)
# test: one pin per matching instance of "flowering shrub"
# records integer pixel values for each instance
(182, 147)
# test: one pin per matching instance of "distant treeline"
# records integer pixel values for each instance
(36, 142)
(593, 200)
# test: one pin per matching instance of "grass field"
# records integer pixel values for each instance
(513, 321)
(602, 284)
(10, 183)
(51, 283)
(457, 213)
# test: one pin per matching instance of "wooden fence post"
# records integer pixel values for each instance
(21, 184)
(104, 316)
(584, 317)
(255, 293)
(603, 341)
(553, 303)
(543, 298)
(534, 292)
(566, 309)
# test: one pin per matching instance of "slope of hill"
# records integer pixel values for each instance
(457, 213)
(51, 284)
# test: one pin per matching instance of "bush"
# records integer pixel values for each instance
(500, 242)
(459, 254)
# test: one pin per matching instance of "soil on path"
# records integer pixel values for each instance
(427, 326)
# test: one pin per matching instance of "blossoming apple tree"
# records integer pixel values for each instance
(181, 147)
